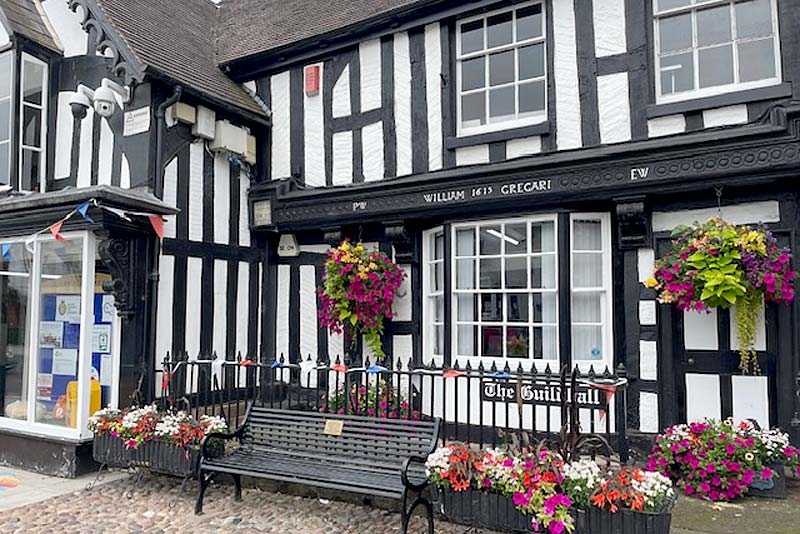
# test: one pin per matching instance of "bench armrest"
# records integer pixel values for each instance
(218, 435)
(404, 473)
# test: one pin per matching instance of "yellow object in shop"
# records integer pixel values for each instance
(72, 400)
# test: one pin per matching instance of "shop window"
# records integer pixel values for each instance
(501, 70)
(704, 48)
(6, 115)
(33, 123)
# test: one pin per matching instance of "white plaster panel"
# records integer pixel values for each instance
(750, 399)
(647, 263)
(402, 103)
(727, 116)
(220, 328)
(194, 277)
(243, 309)
(472, 155)
(341, 94)
(67, 26)
(166, 289)
(648, 360)
(195, 210)
(64, 131)
(314, 133)
(745, 213)
(669, 125)
(125, 174)
(568, 106)
(308, 312)
(433, 94)
(702, 397)
(369, 54)
(609, 27)
(251, 86)
(244, 223)
(402, 347)
(106, 154)
(648, 412)
(761, 331)
(335, 346)
(525, 146)
(614, 109)
(281, 130)
(222, 200)
(85, 161)
(171, 195)
(372, 146)
(315, 249)
(647, 312)
(404, 300)
(5, 38)
(282, 313)
(342, 158)
(700, 330)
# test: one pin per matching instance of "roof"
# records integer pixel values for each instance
(175, 39)
(25, 18)
(250, 27)
(126, 199)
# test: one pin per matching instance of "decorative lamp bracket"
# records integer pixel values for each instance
(401, 239)
(633, 220)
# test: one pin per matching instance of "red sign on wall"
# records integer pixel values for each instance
(312, 80)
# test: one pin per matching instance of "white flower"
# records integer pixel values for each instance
(438, 461)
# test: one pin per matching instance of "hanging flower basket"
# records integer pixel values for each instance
(358, 292)
(719, 265)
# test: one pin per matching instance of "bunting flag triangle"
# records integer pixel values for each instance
(165, 379)
(246, 363)
(158, 225)
(56, 231)
(376, 369)
(452, 373)
(499, 375)
(6, 249)
(276, 364)
(83, 209)
(339, 368)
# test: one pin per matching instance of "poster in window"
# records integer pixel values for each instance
(65, 362)
(108, 309)
(101, 338)
(44, 386)
(106, 375)
(51, 334)
(68, 308)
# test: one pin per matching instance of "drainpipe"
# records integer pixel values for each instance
(161, 111)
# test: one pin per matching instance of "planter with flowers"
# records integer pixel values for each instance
(358, 293)
(723, 461)
(719, 265)
(144, 437)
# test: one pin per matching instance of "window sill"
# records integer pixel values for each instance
(771, 92)
(542, 128)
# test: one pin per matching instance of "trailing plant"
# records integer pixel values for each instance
(358, 292)
(380, 399)
(719, 265)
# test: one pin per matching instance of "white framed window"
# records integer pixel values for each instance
(433, 292)
(501, 64)
(709, 47)
(591, 302)
(33, 123)
(6, 114)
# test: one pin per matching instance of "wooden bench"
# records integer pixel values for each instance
(363, 455)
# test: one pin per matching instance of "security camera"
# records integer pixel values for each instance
(81, 101)
(107, 97)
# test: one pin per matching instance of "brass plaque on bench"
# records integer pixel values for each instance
(333, 427)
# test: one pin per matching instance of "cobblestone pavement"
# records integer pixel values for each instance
(154, 505)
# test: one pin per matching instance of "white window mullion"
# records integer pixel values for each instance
(33, 343)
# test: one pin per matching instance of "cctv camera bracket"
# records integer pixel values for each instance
(123, 91)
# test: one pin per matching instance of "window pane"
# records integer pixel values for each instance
(438, 340)
(438, 309)
(438, 246)
(677, 74)
(543, 272)
(437, 275)
(465, 274)
(473, 110)
(587, 235)
(675, 33)
(5, 117)
(501, 104)
(664, 5)
(6, 64)
(490, 240)
(492, 307)
(473, 73)
(15, 298)
(516, 272)
(517, 342)
(501, 68)
(467, 340)
(587, 342)
(753, 18)
(4, 162)
(756, 60)
(545, 343)
(490, 273)
(30, 172)
(529, 22)
(32, 84)
(531, 98)
(714, 25)
(517, 307)
(492, 341)
(472, 37)
(31, 126)
(588, 269)
(60, 308)
(467, 307)
(715, 66)
(543, 237)
(465, 242)
(531, 61)
(586, 307)
(499, 30)
(516, 240)
(544, 308)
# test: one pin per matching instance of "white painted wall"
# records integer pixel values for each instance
(222, 200)
(314, 132)
(220, 331)
(282, 314)
(171, 196)
(609, 27)
(195, 209)
(702, 397)
(648, 412)
(614, 109)
(472, 155)
(700, 330)
(372, 143)
(342, 158)
(525, 146)
(341, 94)
(727, 116)
(64, 132)
(308, 312)
(669, 125)
(648, 360)
(744, 213)
(369, 53)
(402, 103)
(568, 106)
(281, 134)
(433, 91)
(67, 26)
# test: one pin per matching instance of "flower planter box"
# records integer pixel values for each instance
(597, 521)
(156, 456)
(775, 488)
(484, 510)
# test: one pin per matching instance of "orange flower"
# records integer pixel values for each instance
(460, 485)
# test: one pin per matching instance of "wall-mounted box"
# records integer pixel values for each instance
(229, 138)
(250, 157)
(205, 124)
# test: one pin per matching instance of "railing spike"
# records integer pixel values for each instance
(481, 368)
(493, 368)
(548, 372)
(519, 370)
(506, 368)
(456, 366)
(468, 367)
